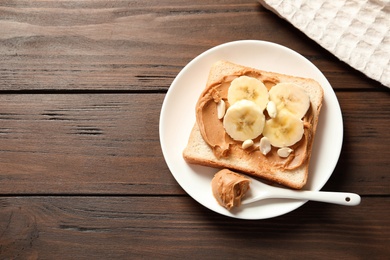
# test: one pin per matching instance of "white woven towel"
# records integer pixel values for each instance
(355, 31)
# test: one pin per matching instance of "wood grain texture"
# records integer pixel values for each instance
(82, 175)
(135, 45)
(145, 227)
(110, 143)
(82, 143)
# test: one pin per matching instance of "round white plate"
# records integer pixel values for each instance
(178, 117)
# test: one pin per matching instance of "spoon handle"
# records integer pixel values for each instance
(341, 198)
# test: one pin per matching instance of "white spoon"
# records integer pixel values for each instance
(259, 191)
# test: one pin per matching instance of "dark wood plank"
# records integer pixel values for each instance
(110, 144)
(82, 143)
(169, 227)
(81, 169)
(364, 159)
(136, 45)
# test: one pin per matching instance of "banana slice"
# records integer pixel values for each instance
(244, 120)
(283, 130)
(290, 97)
(249, 88)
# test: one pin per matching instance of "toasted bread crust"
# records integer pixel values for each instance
(197, 150)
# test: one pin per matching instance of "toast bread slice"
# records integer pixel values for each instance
(199, 152)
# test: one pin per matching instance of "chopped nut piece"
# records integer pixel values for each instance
(284, 152)
(247, 143)
(271, 109)
(221, 109)
(265, 145)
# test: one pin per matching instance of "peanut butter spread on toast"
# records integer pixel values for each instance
(223, 146)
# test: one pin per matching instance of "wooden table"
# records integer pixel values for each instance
(82, 174)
